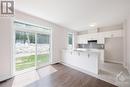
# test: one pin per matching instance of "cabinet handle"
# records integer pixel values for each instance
(79, 53)
(71, 53)
(88, 55)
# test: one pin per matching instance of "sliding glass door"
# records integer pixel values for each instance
(43, 49)
(25, 50)
(32, 47)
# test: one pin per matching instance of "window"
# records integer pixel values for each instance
(32, 47)
(70, 40)
(43, 39)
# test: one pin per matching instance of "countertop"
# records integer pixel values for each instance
(86, 50)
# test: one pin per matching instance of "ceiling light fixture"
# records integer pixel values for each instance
(92, 25)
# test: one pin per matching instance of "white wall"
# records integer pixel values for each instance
(125, 64)
(128, 42)
(114, 50)
(59, 40)
(104, 29)
(59, 33)
(5, 47)
(111, 28)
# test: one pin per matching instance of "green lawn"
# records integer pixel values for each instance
(29, 61)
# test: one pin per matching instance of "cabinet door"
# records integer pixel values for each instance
(106, 34)
(100, 38)
(118, 33)
(82, 40)
(100, 41)
(79, 39)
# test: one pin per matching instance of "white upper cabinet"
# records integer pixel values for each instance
(100, 37)
(82, 39)
(100, 41)
(118, 33)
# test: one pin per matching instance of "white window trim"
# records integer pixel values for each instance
(26, 30)
(70, 46)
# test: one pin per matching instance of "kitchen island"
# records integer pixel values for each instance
(84, 59)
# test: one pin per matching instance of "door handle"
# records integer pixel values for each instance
(79, 53)
(71, 53)
(88, 55)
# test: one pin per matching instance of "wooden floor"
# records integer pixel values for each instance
(68, 77)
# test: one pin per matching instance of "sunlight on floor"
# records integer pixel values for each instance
(30, 77)
(46, 71)
(109, 72)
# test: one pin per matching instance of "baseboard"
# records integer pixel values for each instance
(113, 61)
(55, 62)
(86, 72)
(4, 77)
(79, 69)
(128, 70)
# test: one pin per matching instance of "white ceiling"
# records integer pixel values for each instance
(77, 14)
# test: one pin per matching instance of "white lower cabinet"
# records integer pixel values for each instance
(84, 60)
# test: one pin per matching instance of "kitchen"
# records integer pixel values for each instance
(97, 51)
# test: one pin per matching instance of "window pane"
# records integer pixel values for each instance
(25, 50)
(43, 39)
(43, 47)
(21, 37)
(70, 39)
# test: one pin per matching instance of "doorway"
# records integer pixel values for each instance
(32, 48)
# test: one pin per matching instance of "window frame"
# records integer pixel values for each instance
(26, 29)
(70, 46)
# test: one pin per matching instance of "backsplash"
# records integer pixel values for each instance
(93, 45)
